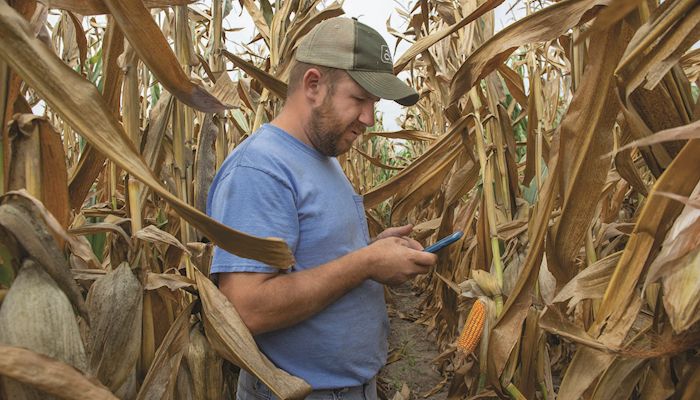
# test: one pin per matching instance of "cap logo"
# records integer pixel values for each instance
(386, 55)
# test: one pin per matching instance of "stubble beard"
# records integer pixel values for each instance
(325, 131)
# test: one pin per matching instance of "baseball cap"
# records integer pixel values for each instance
(348, 44)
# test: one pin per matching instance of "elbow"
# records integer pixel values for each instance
(247, 315)
(253, 322)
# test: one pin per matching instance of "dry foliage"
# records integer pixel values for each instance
(565, 146)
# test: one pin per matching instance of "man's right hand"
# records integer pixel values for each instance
(398, 259)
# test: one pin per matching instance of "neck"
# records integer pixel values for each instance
(293, 121)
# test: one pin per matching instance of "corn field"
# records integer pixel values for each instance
(566, 146)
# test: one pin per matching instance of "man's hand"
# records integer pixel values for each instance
(400, 232)
(398, 259)
(396, 231)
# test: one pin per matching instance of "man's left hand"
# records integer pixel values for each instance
(402, 232)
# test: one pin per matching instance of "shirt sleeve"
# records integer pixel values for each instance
(257, 203)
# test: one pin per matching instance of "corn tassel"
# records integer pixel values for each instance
(471, 333)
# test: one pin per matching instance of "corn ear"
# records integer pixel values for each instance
(114, 303)
(37, 315)
(471, 333)
(205, 366)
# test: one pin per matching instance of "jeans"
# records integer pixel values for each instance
(251, 388)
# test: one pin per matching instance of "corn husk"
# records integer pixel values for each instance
(204, 366)
(37, 315)
(114, 303)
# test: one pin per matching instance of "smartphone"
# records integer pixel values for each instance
(444, 242)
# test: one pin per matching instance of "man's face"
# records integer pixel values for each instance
(343, 116)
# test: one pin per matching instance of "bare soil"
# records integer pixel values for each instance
(411, 352)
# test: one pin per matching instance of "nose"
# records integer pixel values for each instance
(367, 114)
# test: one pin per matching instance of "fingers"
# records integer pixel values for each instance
(425, 259)
(414, 244)
(397, 231)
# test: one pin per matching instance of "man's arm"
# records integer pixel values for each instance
(268, 302)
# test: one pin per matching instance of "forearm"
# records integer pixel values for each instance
(286, 299)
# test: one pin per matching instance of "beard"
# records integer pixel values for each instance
(325, 129)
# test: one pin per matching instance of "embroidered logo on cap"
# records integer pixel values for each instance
(386, 55)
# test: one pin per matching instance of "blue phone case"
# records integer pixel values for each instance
(444, 242)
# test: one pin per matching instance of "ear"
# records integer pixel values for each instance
(313, 87)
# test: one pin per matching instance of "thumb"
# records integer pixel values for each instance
(404, 230)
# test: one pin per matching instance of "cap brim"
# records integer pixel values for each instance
(385, 85)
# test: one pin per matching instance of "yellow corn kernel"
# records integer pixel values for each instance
(471, 333)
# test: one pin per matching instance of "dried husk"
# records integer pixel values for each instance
(37, 315)
(115, 303)
(204, 366)
(231, 339)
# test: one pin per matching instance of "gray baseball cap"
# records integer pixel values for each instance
(347, 44)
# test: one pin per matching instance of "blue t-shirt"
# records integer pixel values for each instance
(275, 185)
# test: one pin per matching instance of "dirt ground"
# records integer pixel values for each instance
(411, 352)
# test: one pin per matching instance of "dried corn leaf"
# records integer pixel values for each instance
(115, 304)
(619, 379)
(91, 160)
(547, 24)
(407, 134)
(37, 315)
(653, 223)
(507, 330)
(276, 86)
(153, 49)
(690, 131)
(153, 234)
(589, 283)
(51, 164)
(425, 42)
(659, 44)
(171, 281)
(49, 375)
(231, 339)
(585, 138)
(20, 216)
(161, 378)
(97, 7)
(419, 167)
(424, 186)
(258, 19)
(82, 107)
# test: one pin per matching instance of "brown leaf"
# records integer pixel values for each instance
(419, 167)
(79, 104)
(690, 131)
(425, 42)
(585, 137)
(153, 49)
(507, 330)
(273, 84)
(231, 339)
(171, 281)
(407, 134)
(652, 224)
(21, 217)
(91, 160)
(97, 7)
(160, 380)
(153, 234)
(547, 24)
(589, 283)
(49, 375)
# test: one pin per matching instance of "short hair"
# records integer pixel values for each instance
(296, 75)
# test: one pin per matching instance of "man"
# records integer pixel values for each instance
(325, 321)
